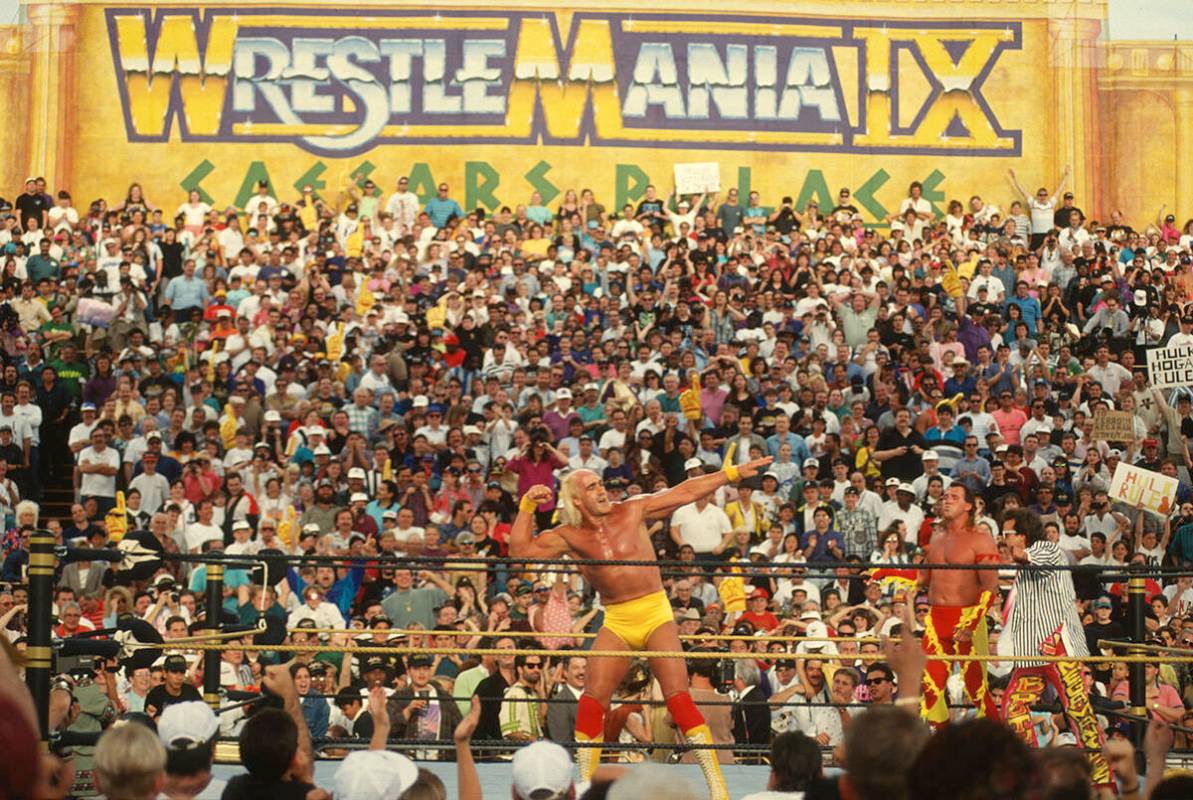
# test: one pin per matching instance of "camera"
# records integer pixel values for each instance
(726, 675)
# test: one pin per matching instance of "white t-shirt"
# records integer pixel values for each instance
(193, 215)
(197, 533)
(703, 530)
(1041, 215)
(94, 484)
(1178, 605)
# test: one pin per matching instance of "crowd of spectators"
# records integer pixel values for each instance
(374, 378)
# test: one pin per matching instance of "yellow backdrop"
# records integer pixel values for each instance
(502, 99)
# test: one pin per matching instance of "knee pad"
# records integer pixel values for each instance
(590, 717)
(684, 711)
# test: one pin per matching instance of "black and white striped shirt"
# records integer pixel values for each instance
(1041, 602)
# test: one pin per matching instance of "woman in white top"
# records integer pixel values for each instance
(193, 212)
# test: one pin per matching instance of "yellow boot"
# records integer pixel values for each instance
(707, 759)
(588, 758)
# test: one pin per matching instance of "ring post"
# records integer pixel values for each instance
(38, 660)
(1136, 603)
(211, 658)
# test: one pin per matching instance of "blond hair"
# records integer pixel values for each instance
(569, 512)
(27, 507)
(129, 762)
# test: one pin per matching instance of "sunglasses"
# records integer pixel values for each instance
(876, 681)
(533, 666)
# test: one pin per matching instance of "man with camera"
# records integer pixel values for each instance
(422, 710)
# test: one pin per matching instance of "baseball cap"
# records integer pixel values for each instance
(906, 487)
(153, 436)
(692, 463)
(563, 394)
(241, 525)
(811, 462)
(272, 416)
(523, 589)
(421, 401)
(87, 407)
(421, 660)
(174, 663)
(356, 472)
(760, 593)
(1103, 602)
(358, 497)
(465, 537)
(183, 726)
(892, 482)
(690, 613)
(375, 775)
(930, 455)
(541, 769)
(375, 662)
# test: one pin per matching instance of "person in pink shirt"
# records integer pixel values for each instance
(534, 466)
(1009, 418)
(1163, 702)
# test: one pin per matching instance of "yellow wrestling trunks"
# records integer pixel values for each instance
(635, 620)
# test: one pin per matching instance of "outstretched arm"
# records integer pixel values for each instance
(523, 543)
(660, 504)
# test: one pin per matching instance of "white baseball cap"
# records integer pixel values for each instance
(930, 455)
(563, 394)
(358, 497)
(421, 401)
(184, 725)
(375, 775)
(692, 463)
(356, 472)
(541, 767)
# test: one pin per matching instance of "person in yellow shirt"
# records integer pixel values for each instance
(745, 513)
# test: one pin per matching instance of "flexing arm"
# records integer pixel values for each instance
(523, 543)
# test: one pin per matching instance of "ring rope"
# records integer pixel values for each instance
(400, 632)
(457, 563)
(697, 654)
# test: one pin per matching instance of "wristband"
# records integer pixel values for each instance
(731, 473)
(527, 505)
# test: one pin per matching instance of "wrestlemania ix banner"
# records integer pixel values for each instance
(503, 99)
(342, 83)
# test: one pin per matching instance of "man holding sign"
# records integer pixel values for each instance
(1179, 423)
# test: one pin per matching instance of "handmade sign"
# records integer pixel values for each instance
(1114, 426)
(1170, 366)
(697, 178)
(1134, 485)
